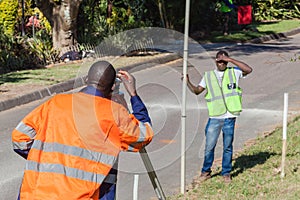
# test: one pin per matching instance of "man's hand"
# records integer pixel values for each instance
(187, 77)
(243, 66)
(128, 81)
(223, 58)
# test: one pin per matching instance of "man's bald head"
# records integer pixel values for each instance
(102, 75)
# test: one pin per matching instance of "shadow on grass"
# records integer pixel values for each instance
(245, 162)
(240, 36)
(12, 78)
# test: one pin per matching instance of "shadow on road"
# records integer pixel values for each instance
(284, 45)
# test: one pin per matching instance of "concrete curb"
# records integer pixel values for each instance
(275, 36)
(40, 94)
(76, 83)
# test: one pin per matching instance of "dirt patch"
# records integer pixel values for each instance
(13, 91)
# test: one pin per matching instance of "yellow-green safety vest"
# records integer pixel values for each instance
(224, 8)
(227, 97)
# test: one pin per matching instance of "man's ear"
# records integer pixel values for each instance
(113, 87)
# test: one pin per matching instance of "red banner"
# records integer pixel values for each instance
(245, 14)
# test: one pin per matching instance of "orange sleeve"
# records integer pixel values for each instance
(134, 134)
(25, 132)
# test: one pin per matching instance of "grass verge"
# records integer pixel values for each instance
(255, 30)
(63, 72)
(46, 76)
(256, 171)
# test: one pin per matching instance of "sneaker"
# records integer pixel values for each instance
(227, 178)
(204, 176)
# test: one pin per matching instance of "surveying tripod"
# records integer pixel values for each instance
(119, 98)
(152, 175)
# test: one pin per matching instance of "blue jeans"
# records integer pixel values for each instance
(212, 132)
(110, 193)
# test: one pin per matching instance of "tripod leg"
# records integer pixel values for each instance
(152, 175)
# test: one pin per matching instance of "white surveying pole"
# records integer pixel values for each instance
(184, 83)
(135, 186)
(284, 131)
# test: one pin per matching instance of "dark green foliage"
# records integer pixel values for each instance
(10, 59)
(41, 49)
(95, 24)
(17, 53)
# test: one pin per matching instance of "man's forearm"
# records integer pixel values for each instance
(139, 109)
(194, 89)
(246, 69)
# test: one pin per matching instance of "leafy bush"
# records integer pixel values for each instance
(276, 9)
(8, 15)
(17, 53)
(41, 49)
(11, 56)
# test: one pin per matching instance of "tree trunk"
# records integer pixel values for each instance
(163, 14)
(62, 16)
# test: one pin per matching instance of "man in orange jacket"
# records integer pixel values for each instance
(72, 141)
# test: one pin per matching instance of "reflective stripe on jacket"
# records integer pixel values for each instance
(222, 99)
(74, 140)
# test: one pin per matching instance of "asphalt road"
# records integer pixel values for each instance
(161, 89)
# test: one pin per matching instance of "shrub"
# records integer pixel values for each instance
(8, 16)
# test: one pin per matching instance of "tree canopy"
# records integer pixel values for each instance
(68, 22)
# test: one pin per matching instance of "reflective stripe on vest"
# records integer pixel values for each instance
(27, 130)
(74, 151)
(68, 171)
(143, 135)
(69, 151)
(232, 92)
(222, 99)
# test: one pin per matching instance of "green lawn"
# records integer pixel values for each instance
(256, 171)
(40, 76)
(63, 72)
(255, 30)
(278, 27)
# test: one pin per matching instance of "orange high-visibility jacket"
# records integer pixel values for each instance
(74, 140)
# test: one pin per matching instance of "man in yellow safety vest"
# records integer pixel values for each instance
(224, 104)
